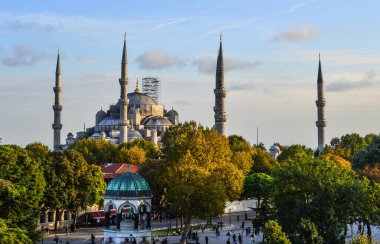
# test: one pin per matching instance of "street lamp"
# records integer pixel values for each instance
(230, 215)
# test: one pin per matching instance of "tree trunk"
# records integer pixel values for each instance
(56, 218)
(209, 221)
(369, 232)
(185, 230)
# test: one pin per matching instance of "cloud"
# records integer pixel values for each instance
(157, 59)
(344, 85)
(23, 56)
(171, 22)
(242, 87)
(296, 34)
(207, 64)
(232, 26)
(17, 25)
(300, 5)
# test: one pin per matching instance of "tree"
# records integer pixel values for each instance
(295, 152)
(258, 185)
(348, 145)
(96, 151)
(133, 155)
(59, 176)
(21, 190)
(262, 161)
(87, 187)
(318, 190)
(199, 176)
(13, 235)
(369, 155)
(338, 160)
(152, 151)
(371, 172)
(241, 153)
(308, 233)
(273, 233)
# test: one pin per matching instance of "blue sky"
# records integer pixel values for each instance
(271, 53)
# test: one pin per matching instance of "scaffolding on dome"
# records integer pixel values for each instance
(151, 86)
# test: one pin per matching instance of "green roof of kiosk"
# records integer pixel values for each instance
(128, 185)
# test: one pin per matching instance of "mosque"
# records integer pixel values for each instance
(135, 115)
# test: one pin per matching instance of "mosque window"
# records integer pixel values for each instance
(51, 217)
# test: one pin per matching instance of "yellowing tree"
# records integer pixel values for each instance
(199, 176)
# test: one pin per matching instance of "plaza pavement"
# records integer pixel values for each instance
(83, 235)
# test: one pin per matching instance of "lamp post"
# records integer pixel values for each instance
(230, 216)
(42, 232)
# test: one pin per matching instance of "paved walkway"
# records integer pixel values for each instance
(83, 235)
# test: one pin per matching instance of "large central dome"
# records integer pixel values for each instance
(128, 185)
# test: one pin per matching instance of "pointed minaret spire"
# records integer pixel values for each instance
(123, 101)
(220, 94)
(57, 107)
(321, 102)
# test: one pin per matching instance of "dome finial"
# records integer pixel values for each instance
(137, 86)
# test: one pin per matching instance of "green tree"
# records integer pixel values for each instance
(13, 235)
(273, 233)
(318, 190)
(241, 153)
(87, 187)
(199, 176)
(133, 155)
(295, 152)
(96, 151)
(308, 233)
(59, 176)
(348, 145)
(258, 185)
(21, 189)
(152, 151)
(368, 155)
(262, 161)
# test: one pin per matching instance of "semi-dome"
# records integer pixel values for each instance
(128, 185)
(157, 121)
(134, 134)
(109, 121)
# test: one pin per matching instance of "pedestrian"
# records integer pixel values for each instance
(352, 225)
(67, 242)
(206, 239)
(360, 229)
(228, 241)
(92, 239)
(237, 217)
(240, 239)
(242, 224)
(253, 237)
(234, 237)
(61, 242)
(56, 239)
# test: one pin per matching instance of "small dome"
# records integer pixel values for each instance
(157, 121)
(128, 185)
(274, 148)
(101, 113)
(172, 113)
(134, 134)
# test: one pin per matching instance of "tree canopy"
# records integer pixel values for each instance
(198, 174)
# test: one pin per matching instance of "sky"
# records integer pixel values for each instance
(271, 62)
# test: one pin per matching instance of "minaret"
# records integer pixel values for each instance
(321, 102)
(220, 94)
(123, 96)
(57, 107)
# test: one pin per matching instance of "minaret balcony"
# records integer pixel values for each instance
(220, 118)
(321, 102)
(57, 126)
(221, 92)
(321, 123)
(57, 107)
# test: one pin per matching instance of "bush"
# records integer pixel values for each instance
(273, 233)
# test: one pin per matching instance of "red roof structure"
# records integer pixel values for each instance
(112, 170)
